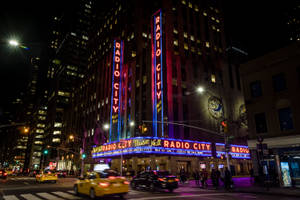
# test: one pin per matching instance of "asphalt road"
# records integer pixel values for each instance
(25, 188)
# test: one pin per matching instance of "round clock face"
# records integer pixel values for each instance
(215, 107)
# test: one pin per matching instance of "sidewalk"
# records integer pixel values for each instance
(243, 185)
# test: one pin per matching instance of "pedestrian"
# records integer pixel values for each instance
(227, 179)
(197, 177)
(182, 175)
(204, 176)
(218, 175)
(213, 177)
(251, 176)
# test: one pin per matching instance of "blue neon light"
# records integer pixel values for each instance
(112, 86)
(161, 73)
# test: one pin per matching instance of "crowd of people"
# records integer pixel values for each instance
(216, 175)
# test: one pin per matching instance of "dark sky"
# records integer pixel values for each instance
(254, 26)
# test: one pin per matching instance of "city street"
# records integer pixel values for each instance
(20, 188)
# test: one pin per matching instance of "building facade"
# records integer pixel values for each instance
(270, 84)
(145, 63)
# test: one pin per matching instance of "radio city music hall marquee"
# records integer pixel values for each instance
(153, 145)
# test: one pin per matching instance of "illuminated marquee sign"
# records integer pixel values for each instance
(115, 121)
(236, 151)
(157, 73)
(153, 145)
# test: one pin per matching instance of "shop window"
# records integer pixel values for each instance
(279, 82)
(285, 119)
(260, 123)
(255, 88)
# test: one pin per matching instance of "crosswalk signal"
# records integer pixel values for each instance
(83, 156)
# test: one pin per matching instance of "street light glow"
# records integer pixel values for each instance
(106, 126)
(200, 90)
(71, 137)
(14, 43)
(131, 123)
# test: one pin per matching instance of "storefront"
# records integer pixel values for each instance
(144, 153)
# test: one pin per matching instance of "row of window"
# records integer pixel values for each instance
(285, 120)
(279, 84)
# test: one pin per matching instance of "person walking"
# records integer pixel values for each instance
(182, 176)
(204, 176)
(213, 177)
(227, 179)
(197, 177)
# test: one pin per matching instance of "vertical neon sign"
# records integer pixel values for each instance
(115, 117)
(157, 74)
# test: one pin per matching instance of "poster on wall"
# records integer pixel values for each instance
(285, 171)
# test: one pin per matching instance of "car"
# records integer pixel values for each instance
(46, 176)
(61, 174)
(154, 180)
(3, 174)
(102, 183)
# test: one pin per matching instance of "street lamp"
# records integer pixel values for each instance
(200, 90)
(106, 126)
(13, 42)
(131, 124)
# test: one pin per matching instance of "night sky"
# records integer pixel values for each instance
(253, 26)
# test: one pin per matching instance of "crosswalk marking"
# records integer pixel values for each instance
(65, 195)
(71, 191)
(48, 196)
(30, 197)
(10, 197)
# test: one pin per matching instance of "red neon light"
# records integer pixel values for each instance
(157, 54)
(239, 150)
(117, 73)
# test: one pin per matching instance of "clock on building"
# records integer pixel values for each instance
(215, 107)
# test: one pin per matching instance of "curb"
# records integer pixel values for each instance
(266, 192)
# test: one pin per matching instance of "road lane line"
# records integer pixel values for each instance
(10, 197)
(181, 196)
(48, 196)
(30, 197)
(26, 183)
(65, 195)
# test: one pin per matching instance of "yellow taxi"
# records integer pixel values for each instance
(46, 176)
(103, 183)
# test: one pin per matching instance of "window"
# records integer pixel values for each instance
(285, 119)
(279, 82)
(255, 88)
(260, 123)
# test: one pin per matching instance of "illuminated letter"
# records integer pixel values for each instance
(233, 149)
(117, 66)
(158, 52)
(157, 19)
(186, 145)
(117, 73)
(158, 94)
(178, 145)
(158, 67)
(202, 146)
(116, 100)
(118, 53)
(118, 45)
(129, 143)
(195, 146)
(208, 146)
(158, 85)
(117, 59)
(115, 108)
(116, 86)
(166, 143)
(172, 144)
(157, 28)
(157, 44)
(116, 93)
(157, 36)
(114, 146)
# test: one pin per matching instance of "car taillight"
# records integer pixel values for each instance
(104, 185)
(112, 177)
(5, 174)
(126, 182)
(176, 179)
(55, 174)
(161, 179)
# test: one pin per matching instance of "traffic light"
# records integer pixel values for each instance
(145, 129)
(83, 156)
(224, 126)
(46, 151)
